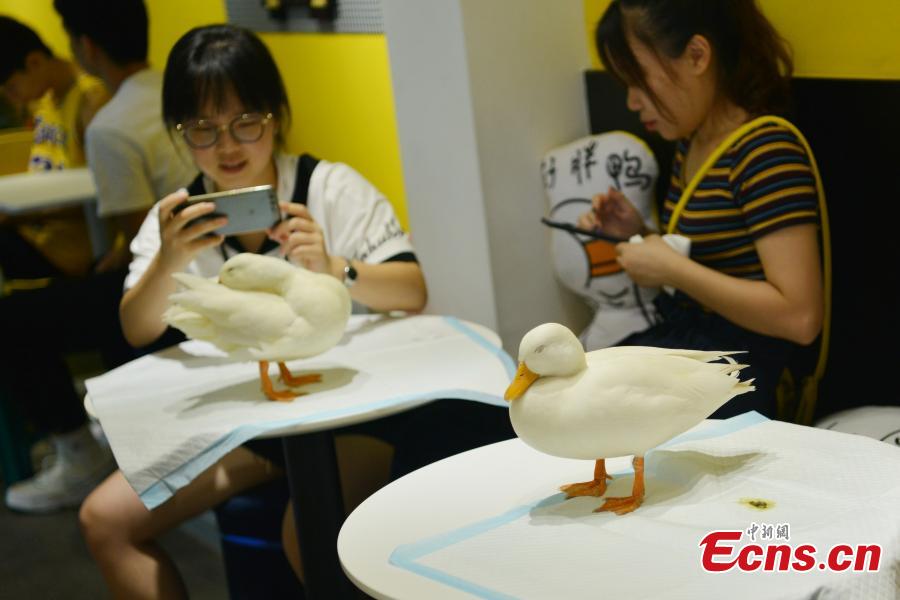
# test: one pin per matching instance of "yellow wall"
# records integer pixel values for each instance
(339, 85)
(168, 20)
(343, 104)
(830, 38)
(40, 16)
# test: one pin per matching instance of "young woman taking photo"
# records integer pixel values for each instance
(223, 93)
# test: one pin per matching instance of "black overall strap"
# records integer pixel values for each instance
(196, 188)
(306, 164)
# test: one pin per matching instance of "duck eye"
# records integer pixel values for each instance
(539, 349)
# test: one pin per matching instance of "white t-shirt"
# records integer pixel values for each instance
(134, 160)
(357, 221)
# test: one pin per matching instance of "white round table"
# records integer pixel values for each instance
(311, 465)
(830, 486)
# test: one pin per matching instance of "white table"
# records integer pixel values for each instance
(314, 480)
(311, 463)
(23, 193)
(439, 506)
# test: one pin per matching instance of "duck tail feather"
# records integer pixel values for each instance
(193, 282)
(745, 386)
(708, 356)
(731, 368)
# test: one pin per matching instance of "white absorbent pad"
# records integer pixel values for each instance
(829, 488)
(170, 415)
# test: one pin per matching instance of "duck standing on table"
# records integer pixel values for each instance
(619, 401)
(267, 307)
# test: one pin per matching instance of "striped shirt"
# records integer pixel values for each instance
(762, 184)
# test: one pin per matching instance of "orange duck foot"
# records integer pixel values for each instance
(294, 381)
(621, 506)
(267, 388)
(279, 395)
(594, 488)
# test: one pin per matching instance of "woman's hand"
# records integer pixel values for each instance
(181, 238)
(301, 239)
(614, 214)
(648, 263)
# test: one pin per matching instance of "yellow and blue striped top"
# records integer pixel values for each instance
(763, 183)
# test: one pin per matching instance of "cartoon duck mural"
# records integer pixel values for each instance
(572, 175)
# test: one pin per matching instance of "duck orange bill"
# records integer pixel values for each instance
(523, 379)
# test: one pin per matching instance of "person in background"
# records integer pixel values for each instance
(64, 100)
(12, 116)
(224, 95)
(696, 71)
(133, 161)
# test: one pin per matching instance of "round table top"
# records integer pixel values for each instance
(23, 192)
(439, 506)
(448, 494)
(342, 420)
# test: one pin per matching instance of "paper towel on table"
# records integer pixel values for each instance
(830, 488)
(170, 415)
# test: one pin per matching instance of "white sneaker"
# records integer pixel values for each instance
(66, 479)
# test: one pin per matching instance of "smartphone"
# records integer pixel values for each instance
(595, 233)
(248, 209)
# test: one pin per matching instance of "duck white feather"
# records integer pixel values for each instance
(265, 306)
(615, 401)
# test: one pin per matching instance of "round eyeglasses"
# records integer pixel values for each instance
(245, 129)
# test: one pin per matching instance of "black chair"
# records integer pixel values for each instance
(250, 529)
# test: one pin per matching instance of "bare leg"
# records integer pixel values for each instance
(626, 504)
(121, 533)
(289, 541)
(595, 487)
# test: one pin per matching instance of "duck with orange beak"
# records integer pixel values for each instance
(619, 401)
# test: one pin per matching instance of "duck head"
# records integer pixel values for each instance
(249, 271)
(547, 350)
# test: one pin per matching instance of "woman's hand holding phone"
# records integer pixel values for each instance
(181, 237)
(301, 238)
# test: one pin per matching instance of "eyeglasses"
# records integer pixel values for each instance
(245, 129)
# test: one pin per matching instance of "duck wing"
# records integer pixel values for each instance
(298, 340)
(321, 307)
(698, 355)
(229, 318)
(658, 396)
(195, 282)
(624, 405)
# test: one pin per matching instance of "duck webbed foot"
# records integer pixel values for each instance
(626, 504)
(267, 388)
(294, 381)
(620, 506)
(596, 487)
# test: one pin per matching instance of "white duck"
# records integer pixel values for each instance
(612, 402)
(267, 308)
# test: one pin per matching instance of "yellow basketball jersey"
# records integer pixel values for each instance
(58, 142)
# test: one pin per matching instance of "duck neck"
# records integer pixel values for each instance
(573, 367)
(582, 364)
